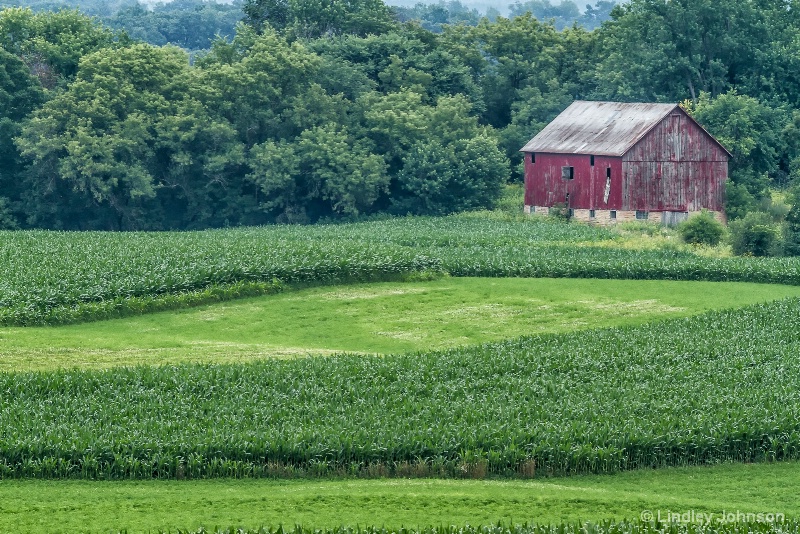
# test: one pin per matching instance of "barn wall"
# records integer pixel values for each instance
(670, 186)
(676, 138)
(544, 185)
(676, 167)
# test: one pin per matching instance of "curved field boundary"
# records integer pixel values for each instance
(711, 388)
(56, 277)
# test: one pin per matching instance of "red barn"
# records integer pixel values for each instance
(608, 161)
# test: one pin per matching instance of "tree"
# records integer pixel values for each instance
(439, 157)
(252, 81)
(438, 179)
(126, 130)
(260, 13)
(519, 53)
(20, 94)
(310, 19)
(751, 131)
(323, 173)
(668, 51)
(403, 59)
(190, 24)
(756, 234)
(52, 44)
(701, 229)
(562, 15)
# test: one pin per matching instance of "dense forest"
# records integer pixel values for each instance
(311, 110)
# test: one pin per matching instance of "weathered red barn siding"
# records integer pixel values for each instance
(677, 166)
(544, 185)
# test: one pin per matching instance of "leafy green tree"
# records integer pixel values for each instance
(668, 51)
(792, 221)
(125, 130)
(562, 15)
(274, 13)
(323, 173)
(751, 131)
(52, 44)
(310, 19)
(407, 58)
(790, 157)
(439, 157)
(254, 80)
(20, 94)
(520, 53)
(594, 15)
(190, 24)
(433, 17)
(438, 179)
(7, 219)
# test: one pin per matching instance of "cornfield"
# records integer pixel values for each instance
(712, 388)
(56, 277)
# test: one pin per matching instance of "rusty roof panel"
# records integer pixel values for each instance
(598, 128)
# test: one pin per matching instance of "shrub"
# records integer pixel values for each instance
(757, 235)
(701, 229)
(792, 233)
(560, 210)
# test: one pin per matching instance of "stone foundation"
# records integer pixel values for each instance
(606, 217)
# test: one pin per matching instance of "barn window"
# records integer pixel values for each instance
(641, 215)
(533, 157)
(612, 214)
(591, 214)
(608, 172)
(568, 173)
(591, 161)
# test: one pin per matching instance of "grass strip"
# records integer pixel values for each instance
(151, 506)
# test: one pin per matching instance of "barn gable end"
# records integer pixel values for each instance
(677, 137)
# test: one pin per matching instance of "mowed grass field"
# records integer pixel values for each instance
(382, 318)
(153, 506)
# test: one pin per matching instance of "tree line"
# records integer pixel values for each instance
(330, 109)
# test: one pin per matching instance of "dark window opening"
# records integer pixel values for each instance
(568, 173)
(642, 215)
(608, 172)
(591, 161)
(612, 214)
(591, 214)
(533, 157)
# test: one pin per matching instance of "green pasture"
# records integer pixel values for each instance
(371, 318)
(87, 506)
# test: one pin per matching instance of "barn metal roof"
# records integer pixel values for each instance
(599, 128)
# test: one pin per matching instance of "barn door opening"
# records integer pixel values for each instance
(607, 191)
